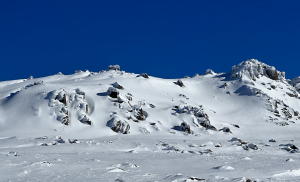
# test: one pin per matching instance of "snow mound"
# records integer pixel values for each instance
(289, 173)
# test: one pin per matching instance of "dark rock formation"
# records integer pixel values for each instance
(113, 92)
(140, 114)
(85, 120)
(186, 128)
(145, 75)
(272, 73)
(114, 67)
(117, 85)
(180, 83)
(118, 125)
(198, 112)
(226, 130)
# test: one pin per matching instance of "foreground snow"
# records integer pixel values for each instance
(145, 158)
(116, 126)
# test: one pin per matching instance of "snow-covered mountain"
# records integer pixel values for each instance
(253, 95)
(252, 102)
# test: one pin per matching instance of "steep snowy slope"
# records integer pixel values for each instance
(252, 102)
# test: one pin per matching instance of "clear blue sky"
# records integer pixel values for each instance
(165, 38)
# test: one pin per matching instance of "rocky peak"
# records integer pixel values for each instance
(254, 69)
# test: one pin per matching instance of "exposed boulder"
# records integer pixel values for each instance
(209, 72)
(40, 82)
(294, 94)
(239, 142)
(140, 114)
(186, 128)
(118, 125)
(180, 83)
(273, 87)
(291, 148)
(250, 146)
(272, 73)
(72, 141)
(30, 78)
(145, 75)
(85, 120)
(117, 85)
(235, 125)
(195, 179)
(235, 139)
(113, 92)
(114, 67)
(80, 92)
(182, 95)
(218, 145)
(225, 130)
(61, 97)
(152, 106)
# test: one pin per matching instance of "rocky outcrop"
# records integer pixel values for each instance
(252, 146)
(226, 130)
(61, 97)
(186, 128)
(209, 72)
(254, 69)
(145, 75)
(61, 101)
(180, 83)
(40, 82)
(117, 85)
(272, 73)
(58, 100)
(113, 92)
(291, 148)
(118, 125)
(114, 67)
(281, 112)
(140, 114)
(198, 112)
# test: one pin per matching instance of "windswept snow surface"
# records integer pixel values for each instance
(241, 125)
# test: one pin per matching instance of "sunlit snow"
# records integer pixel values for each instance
(242, 125)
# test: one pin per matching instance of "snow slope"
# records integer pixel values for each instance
(135, 127)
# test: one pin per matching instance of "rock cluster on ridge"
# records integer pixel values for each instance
(254, 69)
